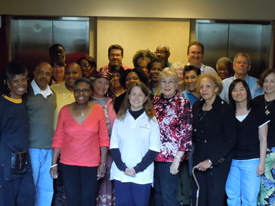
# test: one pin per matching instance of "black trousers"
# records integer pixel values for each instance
(80, 184)
(212, 185)
(59, 198)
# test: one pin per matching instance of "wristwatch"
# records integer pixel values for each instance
(103, 164)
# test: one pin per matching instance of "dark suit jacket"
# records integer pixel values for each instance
(214, 132)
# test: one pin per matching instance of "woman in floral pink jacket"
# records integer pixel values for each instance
(174, 116)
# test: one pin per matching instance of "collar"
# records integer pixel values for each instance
(16, 101)
(36, 90)
(164, 100)
(216, 104)
(201, 67)
(188, 92)
(246, 78)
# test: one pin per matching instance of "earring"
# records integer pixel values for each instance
(9, 90)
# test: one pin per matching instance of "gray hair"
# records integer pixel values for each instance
(177, 65)
(224, 60)
(166, 46)
(244, 55)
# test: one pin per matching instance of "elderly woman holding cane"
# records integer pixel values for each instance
(214, 137)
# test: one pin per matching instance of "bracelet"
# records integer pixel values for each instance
(177, 156)
(103, 164)
(53, 165)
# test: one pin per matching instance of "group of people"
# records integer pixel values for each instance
(77, 135)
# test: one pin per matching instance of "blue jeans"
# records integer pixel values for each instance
(41, 160)
(243, 184)
(166, 185)
(132, 194)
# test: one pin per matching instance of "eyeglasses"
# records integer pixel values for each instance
(160, 52)
(222, 69)
(84, 91)
(85, 65)
(170, 82)
(238, 90)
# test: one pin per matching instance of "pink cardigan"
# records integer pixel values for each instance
(111, 111)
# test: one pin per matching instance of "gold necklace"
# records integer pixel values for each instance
(267, 112)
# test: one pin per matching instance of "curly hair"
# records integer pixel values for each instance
(141, 55)
(215, 78)
(158, 60)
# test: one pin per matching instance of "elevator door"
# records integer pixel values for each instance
(221, 39)
(32, 38)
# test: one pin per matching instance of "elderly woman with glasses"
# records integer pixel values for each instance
(174, 116)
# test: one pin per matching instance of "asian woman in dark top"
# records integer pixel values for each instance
(243, 182)
(214, 137)
(267, 104)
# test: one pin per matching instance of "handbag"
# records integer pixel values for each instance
(19, 162)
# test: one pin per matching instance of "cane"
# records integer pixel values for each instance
(198, 186)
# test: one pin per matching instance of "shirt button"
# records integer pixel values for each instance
(205, 141)
(202, 131)
(195, 130)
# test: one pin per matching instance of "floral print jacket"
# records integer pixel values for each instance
(174, 116)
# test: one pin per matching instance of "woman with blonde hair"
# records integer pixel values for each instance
(174, 116)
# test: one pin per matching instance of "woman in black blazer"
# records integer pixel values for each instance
(214, 137)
